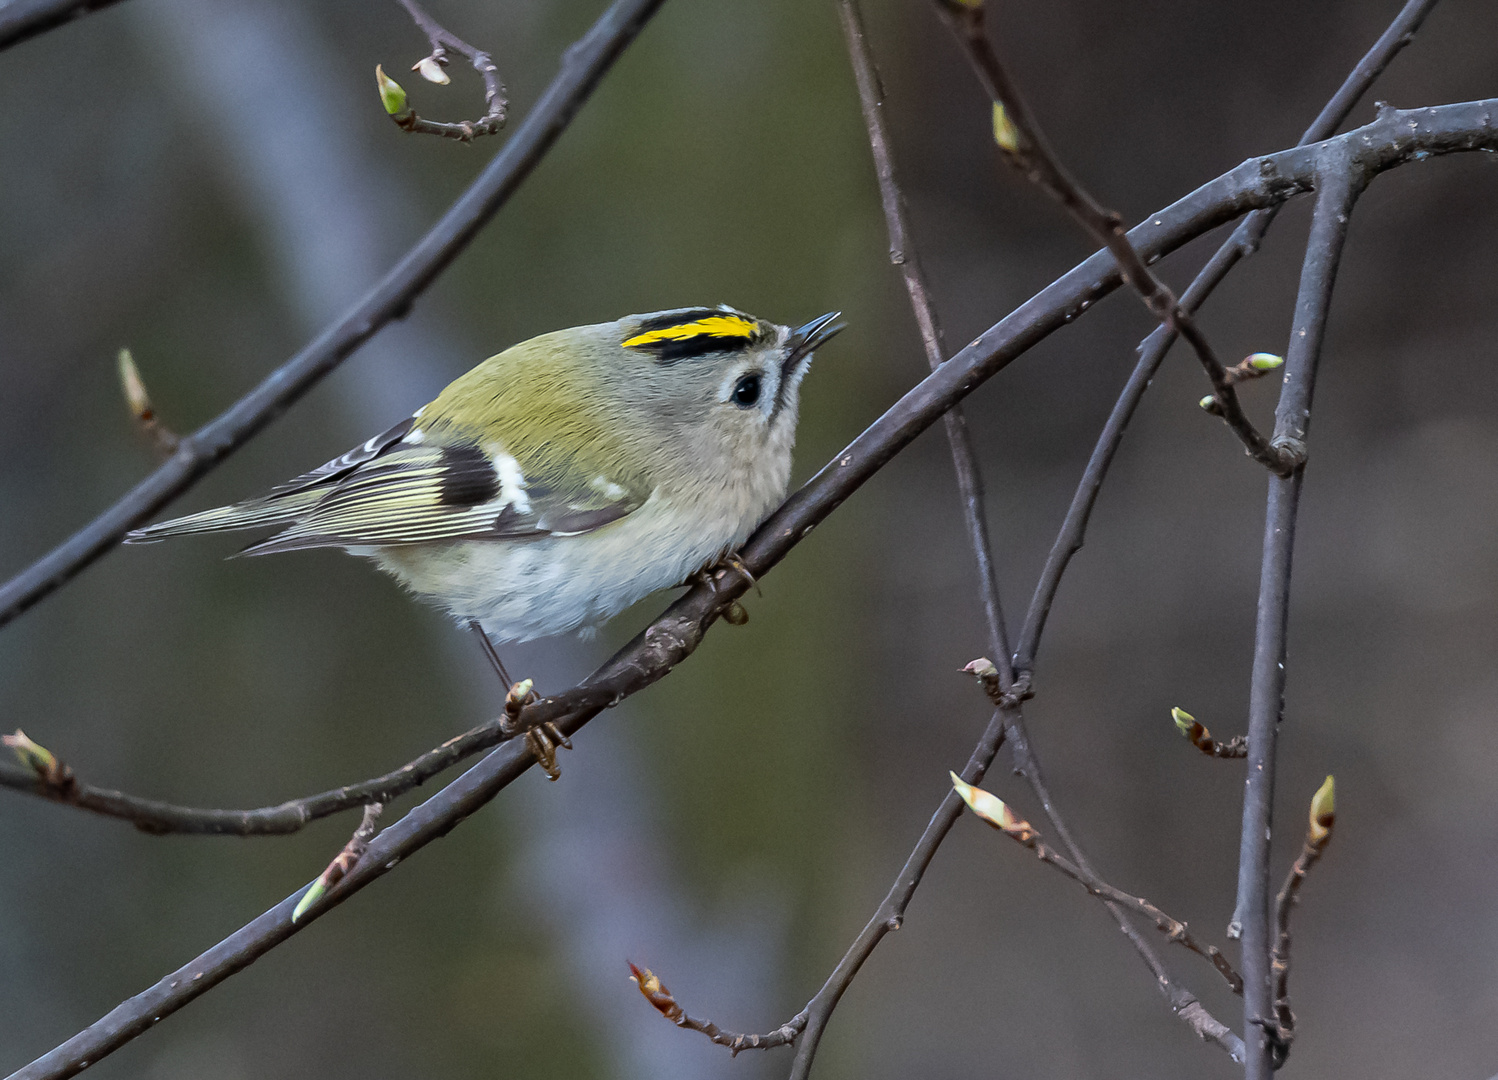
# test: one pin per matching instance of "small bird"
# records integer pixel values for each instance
(562, 480)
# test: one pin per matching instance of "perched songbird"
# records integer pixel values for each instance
(566, 478)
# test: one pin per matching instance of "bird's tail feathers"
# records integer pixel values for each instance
(252, 514)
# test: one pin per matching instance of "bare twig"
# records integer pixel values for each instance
(1339, 183)
(667, 1006)
(1244, 241)
(164, 439)
(152, 816)
(998, 814)
(583, 65)
(1318, 834)
(1395, 138)
(1197, 734)
(432, 68)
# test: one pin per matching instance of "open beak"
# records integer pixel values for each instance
(805, 339)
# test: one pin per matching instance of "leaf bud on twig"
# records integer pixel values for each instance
(392, 94)
(991, 809)
(655, 993)
(34, 756)
(1004, 131)
(1323, 811)
(1263, 361)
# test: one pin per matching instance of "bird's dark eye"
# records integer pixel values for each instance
(746, 391)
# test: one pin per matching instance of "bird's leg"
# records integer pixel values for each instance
(542, 740)
(491, 652)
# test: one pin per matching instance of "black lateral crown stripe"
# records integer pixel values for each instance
(468, 477)
(669, 352)
(681, 318)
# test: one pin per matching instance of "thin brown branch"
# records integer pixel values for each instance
(432, 68)
(1197, 734)
(1025, 147)
(1318, 834)
(59, 784)
(660, 998)
(997, 813)
(162, 437)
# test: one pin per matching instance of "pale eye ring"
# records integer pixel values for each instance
(746, 391)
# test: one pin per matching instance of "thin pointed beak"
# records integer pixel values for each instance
(805, 339)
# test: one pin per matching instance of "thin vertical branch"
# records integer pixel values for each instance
(906, 258)
(1339, 183)
(1244, 242)
(904, 255)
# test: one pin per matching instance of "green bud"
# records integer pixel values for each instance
(35, 757)
(1263, 361)
(982, 668)
(1184, 721)
(1323, 811)
(392, 95)
(1004, 131)
(315, 893)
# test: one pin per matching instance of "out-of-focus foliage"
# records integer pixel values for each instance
(734, 826)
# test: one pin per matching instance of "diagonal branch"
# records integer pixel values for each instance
(997, 813)
(1339, 183)
(21, 20)
(583, 65)
(1395, 138)
(1244, 242)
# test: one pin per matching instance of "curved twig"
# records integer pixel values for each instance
(441, 39)
(153, 816)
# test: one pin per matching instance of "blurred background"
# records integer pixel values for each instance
(209, 181)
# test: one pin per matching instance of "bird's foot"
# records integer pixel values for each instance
(543, 739)
(543, 742)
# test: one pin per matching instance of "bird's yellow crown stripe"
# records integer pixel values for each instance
(725, 326)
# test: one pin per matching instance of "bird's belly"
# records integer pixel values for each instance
(524, 589)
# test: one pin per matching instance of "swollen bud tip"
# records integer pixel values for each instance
(135, 389)
(392, 95)
(1323, 810)
(987, 806)
(35, 757)
(1004, 131)
(1184, 720)
(1263, 361)
(313, 894)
